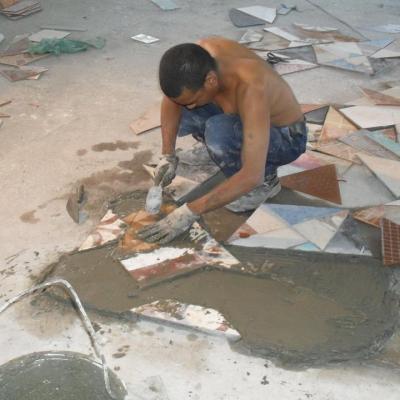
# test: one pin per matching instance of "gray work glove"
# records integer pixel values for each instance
(170, 227)
(165, 170)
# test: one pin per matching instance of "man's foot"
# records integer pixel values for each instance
(250, 201)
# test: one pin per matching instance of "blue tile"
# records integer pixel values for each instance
(296, 214)
(388, 144)
(307, 247)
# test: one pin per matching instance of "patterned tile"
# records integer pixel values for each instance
(190, 316)
(382, 140)
(379, 98)
(292, 66)
(335, 127)
(320, 231)
(343, 55)
(371, 215)
(340, 150)
(390, 242)
(319, 182)
(150, 119)
(367, 117)
(385, 170)
(110, 228)
(370, 47)
(360, 140)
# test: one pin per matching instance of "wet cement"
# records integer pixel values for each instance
(300, 308)
(51, 375)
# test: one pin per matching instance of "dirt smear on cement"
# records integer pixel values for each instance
(29, 217)
(113, 146)
(302, 309)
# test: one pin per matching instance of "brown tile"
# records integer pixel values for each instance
(21, 59)
(371, 215)
(335, 127)
(319, 182)
(150, 119)
(381, 99)
(14, 75)
(305, 108)
(390, 242)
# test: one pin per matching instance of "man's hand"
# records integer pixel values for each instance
(165, 170)
(179, 221)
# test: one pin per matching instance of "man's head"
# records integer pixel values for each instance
(188, 75)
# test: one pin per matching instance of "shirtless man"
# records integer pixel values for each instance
(242, 110)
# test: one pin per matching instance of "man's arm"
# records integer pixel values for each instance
(254, 112)
(170, 118)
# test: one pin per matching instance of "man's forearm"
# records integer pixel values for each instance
(170, 119)
(223, 194)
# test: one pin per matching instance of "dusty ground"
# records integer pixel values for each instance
(72, 125)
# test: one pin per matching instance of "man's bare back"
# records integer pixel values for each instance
(242, 67)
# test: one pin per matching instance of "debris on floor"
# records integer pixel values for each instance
(266, 14)
(48, 34)
(16, 9)
(22, 73)
(147, 39)
(75, 203)
(166, 5)
(68, 46)
(150, 119)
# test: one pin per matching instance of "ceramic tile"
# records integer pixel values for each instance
(162, 264)
(21, 59)
(278, 239)
(360, 188)
(335, 126)
(386, 170)
(291, 66)
(379, 98)
(292, 214)
(390, 242)
(143, 38)
(359, 140)
(270, 42)
(318, 182)
(317, 116)
(241, 19)
(390, 51)
(343, 55)
(387, 28)
(371, 215)
(392, 211)
(306, 108)
(250, 36)
(313, 28)
(243, 232)
(307, 161)
(264, 220)
(390, 133)
(370, 47)
(15, 75)
(48, 34)
(340, 150)
(150, 119)
(284, 9)
(283, 34)
(393, 92)
(110, 228)
(191, 316)
(320, 231)
(307, 247)
(383, 141)
(267, 14)
(166, 5)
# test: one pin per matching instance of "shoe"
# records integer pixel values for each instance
(250, 201)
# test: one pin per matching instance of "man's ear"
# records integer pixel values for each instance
(211, 80)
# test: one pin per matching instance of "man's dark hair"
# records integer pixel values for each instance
(184, 66)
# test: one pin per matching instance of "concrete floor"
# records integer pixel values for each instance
(90, 98)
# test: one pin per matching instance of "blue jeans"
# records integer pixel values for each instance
(223, 136)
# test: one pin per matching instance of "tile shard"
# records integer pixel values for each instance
(166, 5)
(390, 234)
(319, 182)
(382, 99)
(372, 116)
(266, 14)
(150, 119)
(385, 170)
(241, 19)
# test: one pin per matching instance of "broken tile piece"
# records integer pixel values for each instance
(390, 51)
(359, 140)
(387, 28)
(319, 182)
(267, 14)
(340, 150)
(283, 34)
(385, 170)
(110, 228)
(370, 47)
(166, 5)
(206, 320)
(21, 59)
(343, 55)
(390, 235)
(388, 144)
(150, 119)
(241, 19)
(48, 34)
(370, 215)
(381, 99)
(312, 28)
(335, 127)
(291, 66)
(250, 36)
(147, 39)
(372, 116)
(14, 75)
(318, 115)
(321, 230)
(307, 161)
(306, 108)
